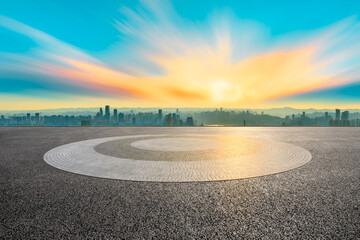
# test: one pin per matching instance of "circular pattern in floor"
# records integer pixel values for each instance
(177, 158)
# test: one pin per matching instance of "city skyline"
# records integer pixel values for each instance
(219, 117)
(179, 53)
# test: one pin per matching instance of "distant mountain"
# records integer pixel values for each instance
(312, 112)
(282, 112)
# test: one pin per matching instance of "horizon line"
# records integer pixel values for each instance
(310, 108)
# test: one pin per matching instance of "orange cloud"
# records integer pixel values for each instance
(203, 75)
(262, 77)
(197, 71)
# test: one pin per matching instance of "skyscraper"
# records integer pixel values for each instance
(337, 114)
(326, 119)
(101, 113)
(28, 118)
(107, 112)
(37, 118)
(160, 117)
(345, 117)
(116, 119)
(121, 118)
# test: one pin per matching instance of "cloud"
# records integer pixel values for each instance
(234, 61)
(53, 59)
(48, 45)
(161, 58)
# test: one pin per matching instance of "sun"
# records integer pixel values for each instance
(222, 91)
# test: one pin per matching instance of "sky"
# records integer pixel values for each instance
(180, 53)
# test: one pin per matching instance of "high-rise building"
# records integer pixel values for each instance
(174, 117)
(326, 119)
(189, 121)
(169, 120)
(345, 118)
(121, 118)
(160, 117)
(116, 119)
(337, 114)
(37, 118)
(101, 113)
(107, 112)
(28, 118)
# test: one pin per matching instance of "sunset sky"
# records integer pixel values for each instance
(181, 53)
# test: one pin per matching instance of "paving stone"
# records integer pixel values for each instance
(271, 157)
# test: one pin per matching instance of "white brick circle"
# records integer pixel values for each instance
(81, 158)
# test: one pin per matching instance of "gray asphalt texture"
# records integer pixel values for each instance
(318, 200)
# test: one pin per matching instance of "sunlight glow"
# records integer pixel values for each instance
(167, 61)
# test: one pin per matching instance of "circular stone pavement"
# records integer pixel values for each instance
(177, 158)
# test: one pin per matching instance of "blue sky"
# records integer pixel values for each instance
(136, 53)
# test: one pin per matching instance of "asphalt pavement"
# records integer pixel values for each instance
(318, 200)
